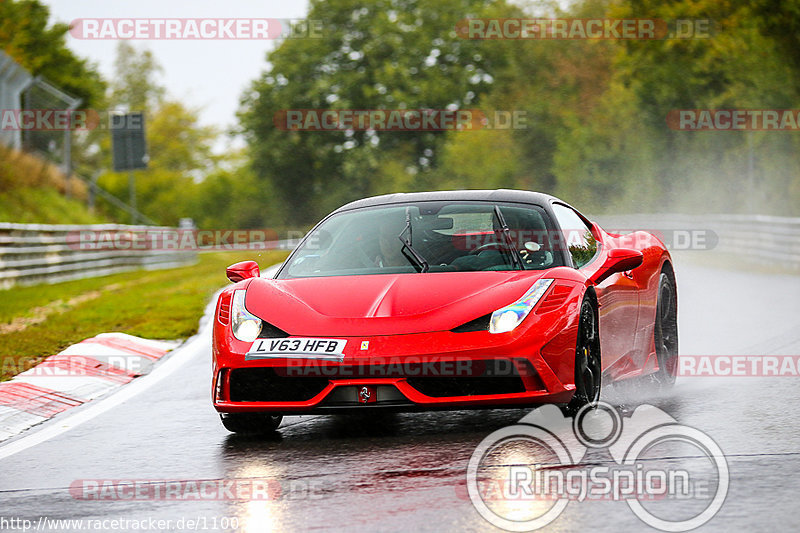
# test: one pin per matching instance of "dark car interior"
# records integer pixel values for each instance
(448, 238)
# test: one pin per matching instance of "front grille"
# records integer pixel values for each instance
(480, 386)
(494, 377)
(265, 385)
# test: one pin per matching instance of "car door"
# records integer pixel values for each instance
(618, 295)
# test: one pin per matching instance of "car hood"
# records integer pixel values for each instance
(383, 304)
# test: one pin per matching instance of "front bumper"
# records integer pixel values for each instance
(425, 371)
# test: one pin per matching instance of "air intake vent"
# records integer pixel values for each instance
(479, 324)
(267, 385)
(224, 315)
(268, 331)
(555, 299)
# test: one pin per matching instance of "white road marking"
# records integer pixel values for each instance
(174, 361)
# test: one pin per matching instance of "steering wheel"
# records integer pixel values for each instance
(485, 246)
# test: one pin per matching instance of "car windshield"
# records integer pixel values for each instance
(426, 237)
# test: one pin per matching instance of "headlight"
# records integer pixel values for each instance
(245, 325)
(511, 316)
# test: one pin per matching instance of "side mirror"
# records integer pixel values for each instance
(243, 270)
(618, 260)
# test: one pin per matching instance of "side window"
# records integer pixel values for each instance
(577, 235)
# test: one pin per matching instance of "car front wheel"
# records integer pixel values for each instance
(588, 367)
(666, 332)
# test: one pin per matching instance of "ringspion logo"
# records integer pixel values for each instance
(541, 466)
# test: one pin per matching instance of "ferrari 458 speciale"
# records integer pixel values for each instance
(444, 300)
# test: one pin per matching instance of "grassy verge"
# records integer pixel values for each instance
(33, 191)
(42, 320)
(30, 205)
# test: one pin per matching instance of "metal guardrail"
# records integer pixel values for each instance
(39, 253)
(759, 239)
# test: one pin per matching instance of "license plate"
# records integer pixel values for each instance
(297, 347)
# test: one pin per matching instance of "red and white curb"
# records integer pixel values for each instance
(81, 373)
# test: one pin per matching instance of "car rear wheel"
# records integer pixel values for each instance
(588, 367)
(256, 423)
(666, 332)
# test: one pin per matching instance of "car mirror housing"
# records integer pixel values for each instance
(618, 260)
(242, 270)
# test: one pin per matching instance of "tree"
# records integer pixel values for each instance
(27, 36)
(180, 149)
(390, 54)
(135, 86)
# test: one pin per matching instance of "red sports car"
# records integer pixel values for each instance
(444, 300)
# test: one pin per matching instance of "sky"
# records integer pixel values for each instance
(206, 74)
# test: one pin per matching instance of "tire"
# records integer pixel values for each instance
(253, 423)
(588, 365)
(665, 332)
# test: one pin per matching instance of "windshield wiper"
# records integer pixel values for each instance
(422, 264)
(509, 241)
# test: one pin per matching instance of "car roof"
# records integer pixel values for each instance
(498, 195)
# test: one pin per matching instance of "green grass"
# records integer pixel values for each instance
(161, 304)
(31, 205)
(32, 191)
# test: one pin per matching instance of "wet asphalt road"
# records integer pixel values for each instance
(406, 472)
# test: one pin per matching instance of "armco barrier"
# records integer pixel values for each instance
(759, 239)
(39, 253)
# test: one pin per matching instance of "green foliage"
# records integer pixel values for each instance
(388, 54)
(44, 205)
(135, 86)
(31, 191)
(622, 155)
(180, 150)
(27, 35)
(596, 110)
